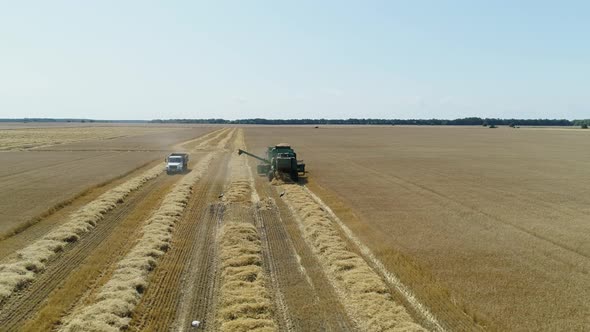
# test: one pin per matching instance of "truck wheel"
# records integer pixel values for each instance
(295, 176)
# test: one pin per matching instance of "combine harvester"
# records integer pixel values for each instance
(280, 161)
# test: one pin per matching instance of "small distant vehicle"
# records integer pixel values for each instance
(176, 163)
(280, 159)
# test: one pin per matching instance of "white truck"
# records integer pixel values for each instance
(176, 163)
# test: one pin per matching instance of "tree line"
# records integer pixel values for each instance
(471, 121)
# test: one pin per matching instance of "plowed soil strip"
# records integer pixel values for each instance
(309, 297)
(24, 304)
(189, 263)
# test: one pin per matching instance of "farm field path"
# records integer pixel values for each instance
(64, 171)
(183, 274)
(217, 244)
(301, 287)
(92, 253)
(57, 288)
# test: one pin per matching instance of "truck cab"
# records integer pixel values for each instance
(176, 163)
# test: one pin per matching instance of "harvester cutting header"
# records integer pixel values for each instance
(280, 160)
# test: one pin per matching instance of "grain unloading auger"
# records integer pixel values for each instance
(280, 160)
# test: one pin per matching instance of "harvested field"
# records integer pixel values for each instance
(29, 138)
(485, 227)
(244, 302)
(15, 273)
(53, 179)
(119, 296)
(364, 295)
(392, 229)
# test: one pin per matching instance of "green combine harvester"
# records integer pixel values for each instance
(280, 161)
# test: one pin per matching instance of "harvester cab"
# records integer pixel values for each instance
(281, 160)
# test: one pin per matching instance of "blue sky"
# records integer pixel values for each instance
(296, 59)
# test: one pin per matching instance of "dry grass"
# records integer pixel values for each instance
(119, 296)
(485, 226)
(245, 303)
(4, 234)
(223, 142)
(240, 189)
(51, 178)
(364, 295)
(32, 259)
(244, 299)
(39, 137)
(204, 142)
(96, 267)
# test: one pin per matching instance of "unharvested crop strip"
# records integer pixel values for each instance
(28, 261)
(245, 303)
(364, 295)
(389, 276)
(118, 297)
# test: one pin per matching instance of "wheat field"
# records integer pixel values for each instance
(391, 229)
(487, 226)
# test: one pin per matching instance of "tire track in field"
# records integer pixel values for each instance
(304, 298)
(38, 226)
(203, 141)
(361, 290)
(190, 260)
(117, 299)
(409, 300)
(191, 256)
(310, 300)
(60, 205)
(245, 292)
(261, 217)
(25, 303)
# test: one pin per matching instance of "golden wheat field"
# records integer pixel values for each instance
(484, 225)
(391, 229)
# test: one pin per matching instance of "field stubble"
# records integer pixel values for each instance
(27, 262)
(244, 299)
(28, 138)
(56, 175)
(30, 260)
(365, 296)
(184, 279)
(119, 296)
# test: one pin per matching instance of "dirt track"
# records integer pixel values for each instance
(235, 257)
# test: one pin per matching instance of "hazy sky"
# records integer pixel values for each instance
(295, 59)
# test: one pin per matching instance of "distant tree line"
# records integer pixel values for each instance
(26, 120)
(472, 121)
(581, 122)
